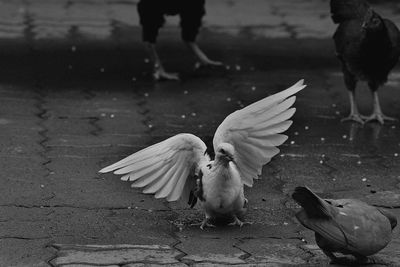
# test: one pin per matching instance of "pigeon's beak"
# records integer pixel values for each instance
(228, 158)
(364, 25)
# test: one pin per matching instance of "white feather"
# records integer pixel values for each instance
(254, 131)
(163, 168)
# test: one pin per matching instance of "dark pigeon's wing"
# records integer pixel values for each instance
(394, 35)
(366, 230)
(327, 228)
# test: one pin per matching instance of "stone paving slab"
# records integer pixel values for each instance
(213, 250)
(94, 19)
(279, 251)
(115, 255)
(24, 252)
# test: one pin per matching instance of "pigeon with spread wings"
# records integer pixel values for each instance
(245, 141)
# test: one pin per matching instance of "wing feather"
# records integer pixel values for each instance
(143, 164)
(157, 184)
(145, 154)
(255, 131)
(273, 129)
(177, 190)
(165, 190)
(135, 175)
(150, 177)
(165, 168)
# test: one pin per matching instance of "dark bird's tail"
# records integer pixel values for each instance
(342, 10)
(313, 205)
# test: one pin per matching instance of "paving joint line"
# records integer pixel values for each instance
(246, 253)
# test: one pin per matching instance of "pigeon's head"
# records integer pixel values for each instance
(225, 152)
(342, 10)
(372, 22)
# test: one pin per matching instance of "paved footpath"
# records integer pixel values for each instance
(76, 94)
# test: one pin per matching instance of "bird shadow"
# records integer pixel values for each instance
(351, 261)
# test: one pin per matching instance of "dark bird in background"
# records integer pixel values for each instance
(368, 47)
(152, 17)
(348, 226)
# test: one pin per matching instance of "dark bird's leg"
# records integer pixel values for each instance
(191, 17)
(351, 83)
(152, 19)
(330, 255)
(159, 71)
(377, 113)
(364, 260)
(203, 59)
(324, 246)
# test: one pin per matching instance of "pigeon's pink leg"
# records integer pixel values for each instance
(237, 221)
(377, 113)
(354, 113)
(206, 222)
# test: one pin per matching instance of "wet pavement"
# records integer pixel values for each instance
(77, 94)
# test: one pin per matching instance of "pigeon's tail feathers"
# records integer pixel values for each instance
(343, 10)
(313, 205)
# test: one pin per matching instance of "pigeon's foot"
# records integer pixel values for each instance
(330, 255)
(353, 117)
(365, 260)
(204, 223)
(380, 117)
(237, 221)
(161, 74)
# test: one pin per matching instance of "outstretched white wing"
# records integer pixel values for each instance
(163, 168)
(254, 131)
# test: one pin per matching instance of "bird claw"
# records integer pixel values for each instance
(239, 222)
(380, 117)
(366, 260)
(161, 74)
(203, 224)
(206, 224)
(353, 117)
(340, 261)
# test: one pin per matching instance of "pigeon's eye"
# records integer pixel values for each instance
(222, 151)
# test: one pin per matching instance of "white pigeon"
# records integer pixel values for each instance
(179, 167)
